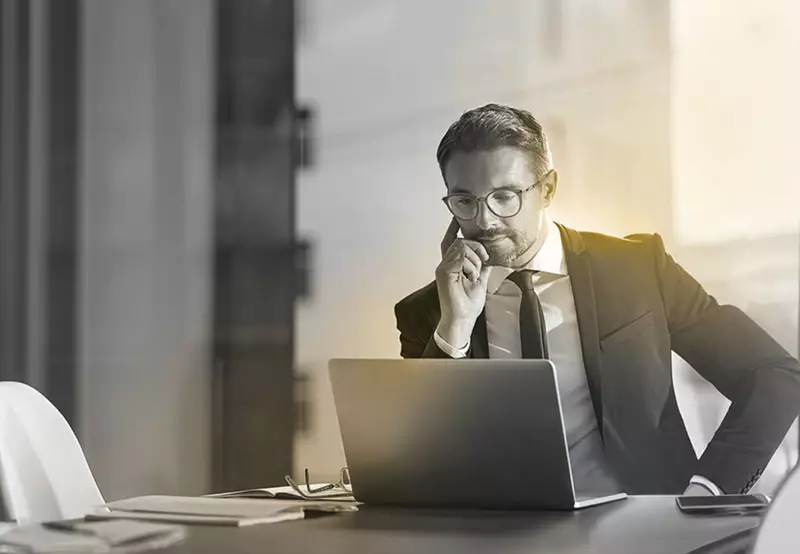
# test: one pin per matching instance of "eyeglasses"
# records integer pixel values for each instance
(503, 202)
(342, 490)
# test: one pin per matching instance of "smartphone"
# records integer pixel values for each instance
(724, 503)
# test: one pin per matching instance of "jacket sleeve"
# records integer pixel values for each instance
(743, 362)
(416, 332)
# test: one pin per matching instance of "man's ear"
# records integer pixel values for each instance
(549, 186)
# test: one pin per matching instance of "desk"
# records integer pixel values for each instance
(638, 525)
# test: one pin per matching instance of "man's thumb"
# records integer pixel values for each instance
(450, 235)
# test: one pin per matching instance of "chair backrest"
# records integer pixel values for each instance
(43, 471)
(779, 530)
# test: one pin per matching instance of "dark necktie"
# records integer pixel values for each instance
(532, 327)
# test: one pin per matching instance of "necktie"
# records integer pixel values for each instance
(532, 327)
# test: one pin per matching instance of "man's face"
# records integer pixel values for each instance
(509, 241)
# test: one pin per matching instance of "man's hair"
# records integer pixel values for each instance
(492, 126)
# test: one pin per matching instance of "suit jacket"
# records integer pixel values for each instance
(634, 306)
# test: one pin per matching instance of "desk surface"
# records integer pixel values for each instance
(638, 525)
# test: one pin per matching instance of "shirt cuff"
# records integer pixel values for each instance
(706, 484)
(450, 350)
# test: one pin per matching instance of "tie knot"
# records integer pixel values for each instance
(523, 279)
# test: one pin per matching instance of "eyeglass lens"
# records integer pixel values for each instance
(502, 203)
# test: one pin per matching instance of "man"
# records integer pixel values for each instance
(607, 311)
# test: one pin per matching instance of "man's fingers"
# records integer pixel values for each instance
(453, 262)
(450, 235)
(484, 274)
(473, 256)
(478, 248)
(470, 270)
(461, 251)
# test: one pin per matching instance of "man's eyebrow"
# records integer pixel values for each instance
(513, 186)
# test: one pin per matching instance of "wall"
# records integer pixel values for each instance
(734, 119)
(675, 117)
(145, 243)
(735, 189)
(388, 78)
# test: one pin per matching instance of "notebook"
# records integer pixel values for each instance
(236, 512)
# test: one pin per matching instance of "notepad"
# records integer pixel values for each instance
(215, 511)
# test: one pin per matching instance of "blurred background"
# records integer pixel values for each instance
(202, 201)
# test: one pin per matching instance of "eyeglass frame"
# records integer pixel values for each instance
(483, 198)
(344, 487)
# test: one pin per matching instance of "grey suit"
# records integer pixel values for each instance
(634, 306)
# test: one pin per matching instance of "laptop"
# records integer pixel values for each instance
(486, 434)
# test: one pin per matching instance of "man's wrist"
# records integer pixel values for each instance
(456, 332)
(707, 484)
(456, 353)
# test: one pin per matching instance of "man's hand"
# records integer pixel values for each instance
(461, 279)
(697, 490)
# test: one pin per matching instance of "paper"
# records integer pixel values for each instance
(186, 519)
(247, 493)
(118, 532)
(216, 511)
(35, 538)
(81, 536)
(284, 492)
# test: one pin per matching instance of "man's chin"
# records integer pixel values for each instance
(501, 258)
(504, 257)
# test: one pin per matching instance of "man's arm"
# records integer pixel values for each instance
(444, 313)
(744, 363)
(417, 335)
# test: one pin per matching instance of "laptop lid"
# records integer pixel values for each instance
(444, 432)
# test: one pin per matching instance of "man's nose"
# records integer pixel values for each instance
(485, 219)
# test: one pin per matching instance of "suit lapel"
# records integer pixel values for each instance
(580, 272)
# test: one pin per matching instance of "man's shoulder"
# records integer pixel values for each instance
(426, 297)
(597, 239)
(604, 244)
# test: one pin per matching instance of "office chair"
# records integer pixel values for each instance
(43, 472)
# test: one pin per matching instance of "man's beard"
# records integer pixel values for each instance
(506, 251)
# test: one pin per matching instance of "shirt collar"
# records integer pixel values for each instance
(549, 259)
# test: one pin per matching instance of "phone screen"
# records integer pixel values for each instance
(724, 501)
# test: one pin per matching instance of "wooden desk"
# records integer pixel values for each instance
(638, 525)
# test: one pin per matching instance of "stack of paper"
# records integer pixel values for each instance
(35, 538)
(80, 536)
(215, 511)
